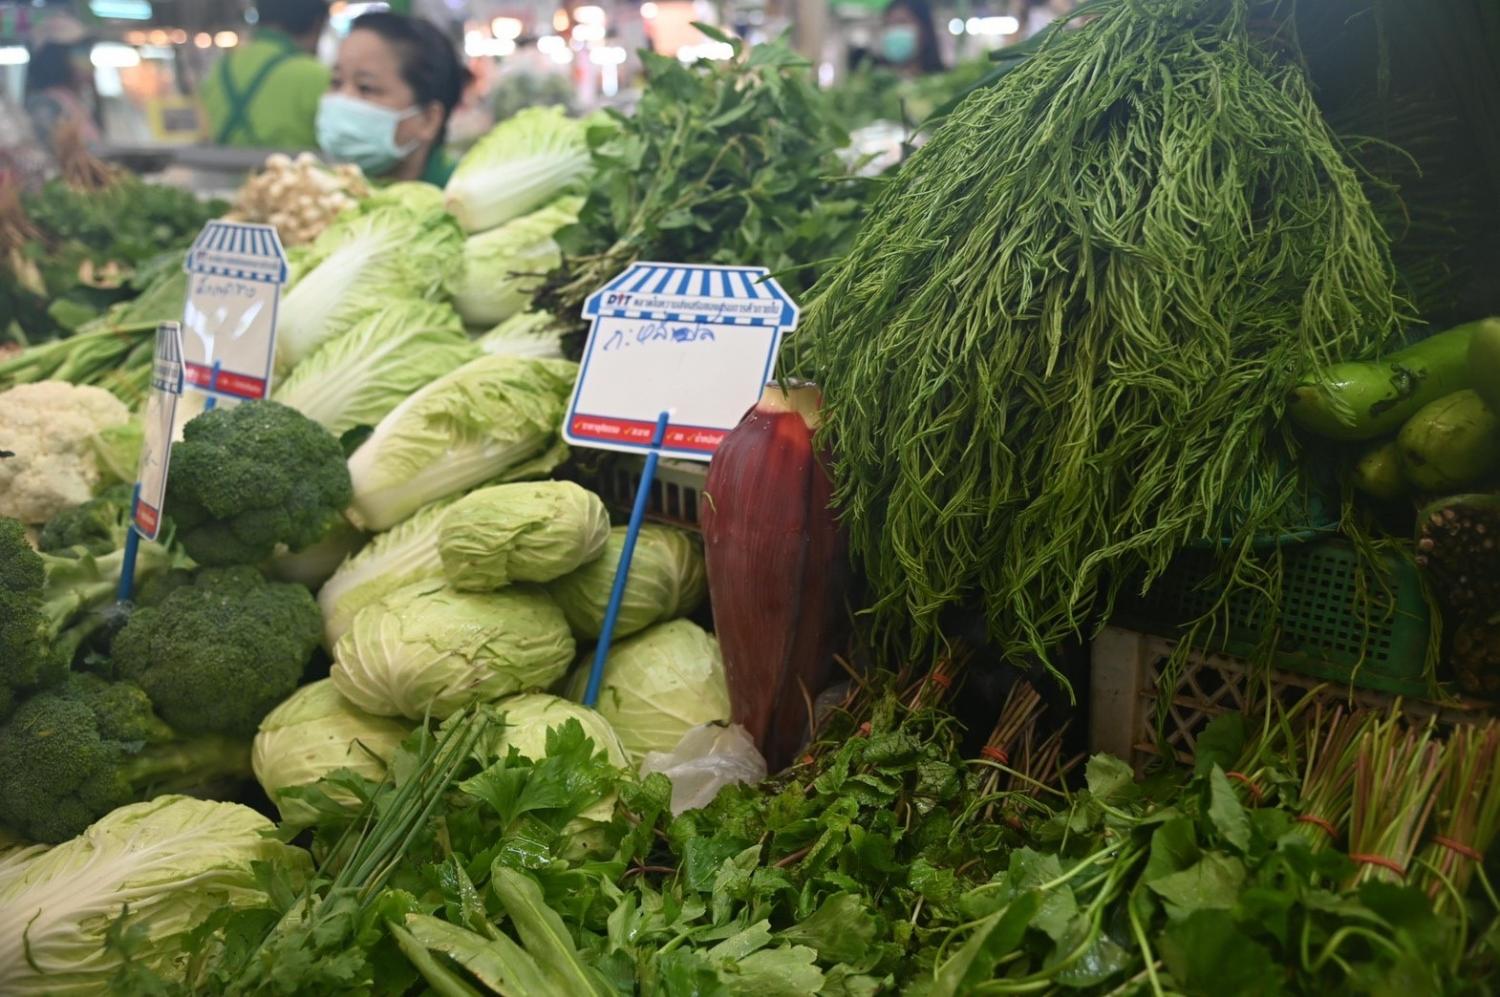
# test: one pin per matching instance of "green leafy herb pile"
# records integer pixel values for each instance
(87, 244)
(1058, 350)
(722, 162)
(878, 865)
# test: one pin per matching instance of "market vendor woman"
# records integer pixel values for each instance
(396, 81)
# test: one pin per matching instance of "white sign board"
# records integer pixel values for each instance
(695, 341)
(235, 272)
(156, 448)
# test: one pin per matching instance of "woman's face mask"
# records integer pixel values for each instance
(362, 133)
(898, 43)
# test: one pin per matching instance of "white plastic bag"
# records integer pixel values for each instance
(708, 758)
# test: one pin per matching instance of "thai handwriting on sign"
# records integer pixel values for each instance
(651, 333)
(209, 286)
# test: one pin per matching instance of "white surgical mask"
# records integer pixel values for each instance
(362, 133)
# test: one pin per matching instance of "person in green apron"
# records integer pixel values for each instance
(265, 94)
(395, 83)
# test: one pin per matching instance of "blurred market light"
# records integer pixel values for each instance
(113, 55)
(507, 27)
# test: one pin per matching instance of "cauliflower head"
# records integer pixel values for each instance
(47, 454)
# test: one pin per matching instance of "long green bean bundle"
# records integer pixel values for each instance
(1058, 350)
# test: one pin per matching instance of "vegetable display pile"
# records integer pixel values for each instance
(70, 250)
(732, 162)
(1140, 294)
(886, 861)
(1046, 366)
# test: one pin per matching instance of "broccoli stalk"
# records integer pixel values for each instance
(253, 478)
(87, 746)
(47, 603)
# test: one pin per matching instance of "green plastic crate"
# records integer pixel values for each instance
(1323, 631)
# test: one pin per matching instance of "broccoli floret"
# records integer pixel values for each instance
(48, 604)
(250, 477)
(98, 526)
(87, 746)
(217, 655)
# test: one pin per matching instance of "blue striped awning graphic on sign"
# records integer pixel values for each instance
(687, 292)
(239, 250)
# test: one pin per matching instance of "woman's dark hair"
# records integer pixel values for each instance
(51, 66)
(929, 57)
(429, 60)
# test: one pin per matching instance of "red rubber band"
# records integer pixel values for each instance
(864, 728)
(1381, 861)
(808, 759)
(994, 754)
(1249, 783)
(941, 678)
(1325, 826)
(1466, 851)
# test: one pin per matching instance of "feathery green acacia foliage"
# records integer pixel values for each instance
(1058, 350)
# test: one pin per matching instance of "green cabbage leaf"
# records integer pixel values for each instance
(358, 377)
(430, 650)
(493, 419)
(524, 162)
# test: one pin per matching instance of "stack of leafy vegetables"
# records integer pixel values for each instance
(1057, 352)
(877, 864)
(89, 244)
(732, 162)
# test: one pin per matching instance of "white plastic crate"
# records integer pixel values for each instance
(1127, 667)
(676, 490)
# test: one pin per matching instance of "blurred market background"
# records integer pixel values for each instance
(148, 60)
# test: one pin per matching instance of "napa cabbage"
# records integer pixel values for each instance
(493, 419)
(521, 164)
(667, 579)
(171, 862)
(357, 377)
(314, 733)
(658, 685)
(391, 560)
(524, 532)
(430, 650)
(360, 264)
(504, 266)
(528, 334)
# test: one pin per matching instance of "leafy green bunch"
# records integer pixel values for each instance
(1057, 352)
(731, 162)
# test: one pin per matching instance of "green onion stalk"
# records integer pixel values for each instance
(1397, 773)
(1328, 777)
(1468, 813)
(1058, 351)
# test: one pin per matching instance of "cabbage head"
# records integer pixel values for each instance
(314, 733)
(529, 334)
(524, 162)
(418, 196)
(360, 264)
(430, 650)
(524, 532)
(658, 685)
(391, 560)
(667, 580)
(493, 419)
(504, 266)
(356, 378)
(173, 861)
